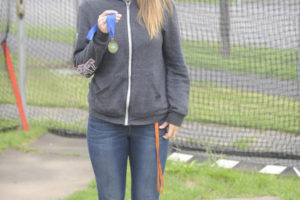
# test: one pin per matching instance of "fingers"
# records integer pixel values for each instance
(172, 131)
(164, 125)
(102, 24)
(108, 12)
(119, 16)
(102, 19)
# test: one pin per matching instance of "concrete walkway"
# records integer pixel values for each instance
(45, 176)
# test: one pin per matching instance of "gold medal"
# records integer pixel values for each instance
(113, 46)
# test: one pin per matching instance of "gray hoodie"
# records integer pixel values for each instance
(145, 81)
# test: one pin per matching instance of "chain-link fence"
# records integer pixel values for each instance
(242, 57)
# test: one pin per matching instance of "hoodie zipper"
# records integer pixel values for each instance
(129, 61)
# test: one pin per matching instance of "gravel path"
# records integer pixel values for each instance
(62, 115)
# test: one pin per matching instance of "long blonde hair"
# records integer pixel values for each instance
(152, 13)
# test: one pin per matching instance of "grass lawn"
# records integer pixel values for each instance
(210, 103)
(281, 64)
(42, 83)
(64, 35)
(19, 138)
(7, 124)
(194, 182)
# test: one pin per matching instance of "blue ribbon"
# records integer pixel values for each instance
(92, 32)
(110, 22)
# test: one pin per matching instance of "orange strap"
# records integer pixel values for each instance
(160, 178)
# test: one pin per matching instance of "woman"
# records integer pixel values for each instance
(142, 86)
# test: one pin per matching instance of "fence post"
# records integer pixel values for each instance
(76, 5)
(224, 28)
(21, 51)
(77, 2)
(299, 58)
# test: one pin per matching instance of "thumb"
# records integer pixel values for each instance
(164, 125)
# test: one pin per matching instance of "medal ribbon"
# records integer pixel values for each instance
(110, 23)
(92, 32)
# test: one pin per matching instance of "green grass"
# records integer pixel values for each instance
(229, 106)
(42, 83)
(64, 35)
(19, 138)
(281, 64)
(6, 124)
(243, 143)
(69, 91)
(194, 182)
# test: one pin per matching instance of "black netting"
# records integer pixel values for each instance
(242, 57)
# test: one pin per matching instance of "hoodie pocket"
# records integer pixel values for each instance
(109, 96)
(148, 96)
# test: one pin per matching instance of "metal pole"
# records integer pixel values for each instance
(77, 2)
(76, 5)
(299, 58)
(22, 54)
(225, 28)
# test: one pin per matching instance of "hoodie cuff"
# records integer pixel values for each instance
(175, 118)
(100, 37)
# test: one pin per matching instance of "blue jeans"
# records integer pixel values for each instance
(110, 145)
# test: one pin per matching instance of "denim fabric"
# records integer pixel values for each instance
(109, 147)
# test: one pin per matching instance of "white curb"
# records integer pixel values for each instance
(227, 163)
(296, 171)
(272, 169)
(180, 157)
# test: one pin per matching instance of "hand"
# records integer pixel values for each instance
(172, 130)
(102, 19)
